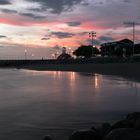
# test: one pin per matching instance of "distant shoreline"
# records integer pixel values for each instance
(128, 70)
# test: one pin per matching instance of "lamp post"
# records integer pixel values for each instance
(92, 35)
(32, 55)
(25, 53)
(53, 56)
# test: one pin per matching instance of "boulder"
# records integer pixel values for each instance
(123, 124)
(133, 116)
(137, 124)
(106, 128)
(123, 134)
(84, 135)
(47, 138)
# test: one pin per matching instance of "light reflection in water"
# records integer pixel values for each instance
(56, 74)
(43, 96)
(72, 76)
(96, 81)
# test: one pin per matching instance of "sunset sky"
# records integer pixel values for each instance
(42, 27)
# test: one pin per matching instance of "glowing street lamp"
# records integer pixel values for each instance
(92, 36)
(25, 53)
(32, 55)
(53, 55)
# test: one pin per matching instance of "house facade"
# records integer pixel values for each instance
(122, 48)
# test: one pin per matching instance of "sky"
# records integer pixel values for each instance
(43, 27)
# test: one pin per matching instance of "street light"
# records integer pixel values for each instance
(53, 55)
(25, 52)
(92, 36)
(32, 55)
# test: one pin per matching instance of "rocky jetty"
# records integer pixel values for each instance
(126, 129)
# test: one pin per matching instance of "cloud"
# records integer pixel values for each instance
(57, 6)
(95, 42)
(105, 38)
(126, 1)
(57, 47)
(5, 2)
(3, 36)
(74, 23)
(83, 33)
(44, 38)
(130, 23)
(62, 35)
(32, 15)
(100, 40)
(9, 11)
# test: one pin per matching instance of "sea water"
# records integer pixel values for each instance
(38, 103)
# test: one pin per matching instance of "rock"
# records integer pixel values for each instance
(84, 135)
(103, 130)
(93, 128)
(47, 138)
(106, 128)
(133, 116)
(137, 124)
(123, 134)
(122, 124)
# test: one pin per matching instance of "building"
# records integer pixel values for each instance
(122, 48)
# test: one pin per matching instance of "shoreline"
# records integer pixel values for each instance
(126, 70)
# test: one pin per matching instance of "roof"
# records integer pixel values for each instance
(125, 41)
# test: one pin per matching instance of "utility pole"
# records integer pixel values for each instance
(92, 36)
(133, 24)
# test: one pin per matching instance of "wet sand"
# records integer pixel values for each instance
(128, 70)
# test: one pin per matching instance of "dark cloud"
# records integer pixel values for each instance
(9, 11)
(84, 3)
(57, 47)
(126, 1)
(36, 9)
(130, 23)
(57, 6)
(95, 42)
(5, 2)
(83, 33)
(32, 15)
(62, 35)
(44, 38)
(74, 23)
(3, 36)
(100, 40)
(105, 38)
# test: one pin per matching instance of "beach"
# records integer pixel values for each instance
(127, 70)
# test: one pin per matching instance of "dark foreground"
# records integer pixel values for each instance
(127, 129)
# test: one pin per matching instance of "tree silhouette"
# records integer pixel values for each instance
(86, 51)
